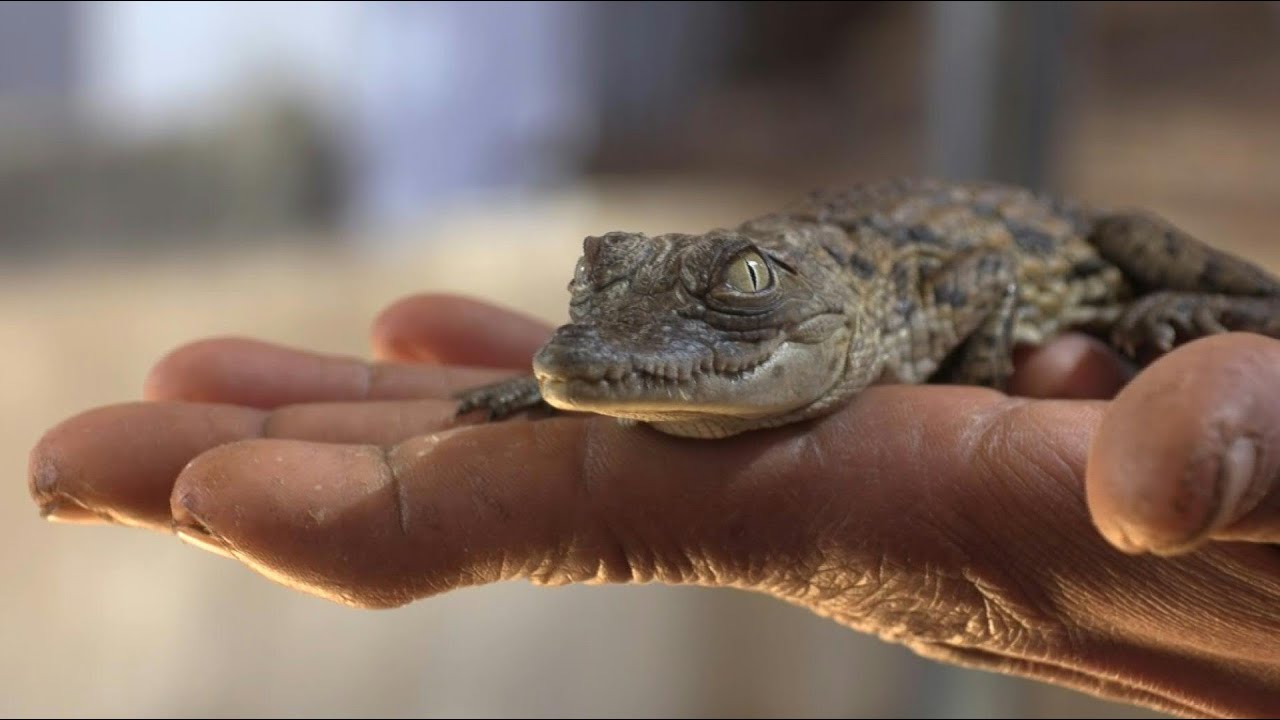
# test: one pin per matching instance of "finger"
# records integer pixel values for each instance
(1073, 366)
(119, 463)
(453, 330)
(116, 464)
(1190, 451)
(262, 375)
(948, 518)
(573, 500)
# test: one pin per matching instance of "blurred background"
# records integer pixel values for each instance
(170, 171)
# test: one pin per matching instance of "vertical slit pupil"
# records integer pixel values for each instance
(755, 280)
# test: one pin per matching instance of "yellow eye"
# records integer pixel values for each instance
(749, 274)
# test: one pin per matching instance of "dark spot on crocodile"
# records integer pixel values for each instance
(901, 274)
(1032, 240)
(841, 257)
(1211, 274)
(924, 235)
(861, 266)
(1172, 243)
(950, 294)
(776, 372)
(1086, 267)
(991, 264)
(906, 308)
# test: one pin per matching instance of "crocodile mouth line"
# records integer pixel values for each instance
(656, 377)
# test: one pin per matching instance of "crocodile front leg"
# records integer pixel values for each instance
(956, 319)
(502, 399)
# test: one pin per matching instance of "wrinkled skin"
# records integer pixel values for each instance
(1078, 541)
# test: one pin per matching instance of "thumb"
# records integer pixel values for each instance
(1190, 451)
(583, 499)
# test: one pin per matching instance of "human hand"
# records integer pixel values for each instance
(978, 529)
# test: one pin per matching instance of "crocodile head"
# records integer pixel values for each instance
(704, 335)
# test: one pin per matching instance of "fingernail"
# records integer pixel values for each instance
(1122, 537)
(192, 531)
(199, 536)
(66, 510)
(1237, 493)
(53, 504)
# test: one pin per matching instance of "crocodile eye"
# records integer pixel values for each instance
(749, 274)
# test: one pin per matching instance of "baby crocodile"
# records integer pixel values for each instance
(789, 315)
